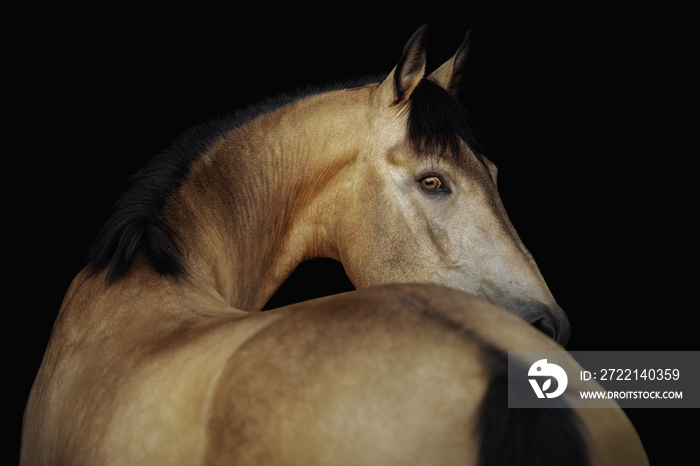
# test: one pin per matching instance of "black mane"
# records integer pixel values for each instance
(436, 123)
(135, 224)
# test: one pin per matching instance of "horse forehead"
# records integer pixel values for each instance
(465, 163)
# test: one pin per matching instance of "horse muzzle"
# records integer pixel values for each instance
(551, 322)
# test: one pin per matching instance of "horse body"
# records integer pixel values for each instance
(389, 375)
(157, 357)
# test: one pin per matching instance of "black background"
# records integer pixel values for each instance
(582, 109)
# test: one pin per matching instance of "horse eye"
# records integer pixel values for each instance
(431, 183)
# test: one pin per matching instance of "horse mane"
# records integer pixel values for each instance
(436, 123)
(135, 224)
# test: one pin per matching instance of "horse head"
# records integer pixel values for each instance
(423, 204)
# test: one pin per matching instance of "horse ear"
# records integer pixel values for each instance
(408, 72)
(449, 75)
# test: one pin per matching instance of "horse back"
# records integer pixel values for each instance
(387, 375)
(401, 374)
(358, 378)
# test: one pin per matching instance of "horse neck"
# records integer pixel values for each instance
(261, 200)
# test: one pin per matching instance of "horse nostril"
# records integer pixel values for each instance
(549, 320)
(546, 326)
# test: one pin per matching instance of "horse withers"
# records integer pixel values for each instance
(158, 355)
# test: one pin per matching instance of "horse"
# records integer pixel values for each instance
(159, 356)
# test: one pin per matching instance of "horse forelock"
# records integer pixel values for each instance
(437, 122)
